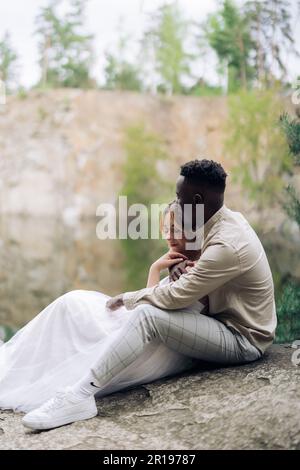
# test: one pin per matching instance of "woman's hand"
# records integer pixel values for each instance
(167, 260)
(115, 302)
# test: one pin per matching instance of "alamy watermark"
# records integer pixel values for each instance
(138, 221)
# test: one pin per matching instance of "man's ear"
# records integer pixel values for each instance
(198, 198)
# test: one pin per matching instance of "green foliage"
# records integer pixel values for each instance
(142, 184)
(271, 31)
(291, 128)
(256, 145)
(22, 93)
(252, 40)
(164, 43)
(143, 151)
(42, 113)
(202, 89)
(228, 33)
(120, 74)
(6, 333)
(289, 305)
(8, 59)
(65, 50)
(288, 313)
(292, 204)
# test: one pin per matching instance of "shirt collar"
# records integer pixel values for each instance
(214, 218)
(203, 231)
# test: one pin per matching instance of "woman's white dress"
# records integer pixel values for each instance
(58, 347)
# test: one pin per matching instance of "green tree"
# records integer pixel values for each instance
(272, 33)
(228, 33)
(164, 45)
(288, 313)
(202, 88)
(291, 128)
(292, 205)
(289, 302)
(8, 59)
(256, 145)
(65, 50)
(143, 185)
(121, 74)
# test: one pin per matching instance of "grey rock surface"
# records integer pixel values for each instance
(253, 406)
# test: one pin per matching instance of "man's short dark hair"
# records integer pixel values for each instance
(206, 172)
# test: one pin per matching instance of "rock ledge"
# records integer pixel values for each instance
(254, 406)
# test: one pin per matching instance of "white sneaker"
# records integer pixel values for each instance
(63, 408)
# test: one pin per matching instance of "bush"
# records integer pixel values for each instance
(144, 185)
(288, 313)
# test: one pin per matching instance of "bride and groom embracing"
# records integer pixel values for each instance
(217, 305)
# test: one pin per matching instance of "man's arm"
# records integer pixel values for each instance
(167, 260)
(217, 265)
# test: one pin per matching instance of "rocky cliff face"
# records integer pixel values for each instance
(61, 155)
(255, 406)
(61, 151)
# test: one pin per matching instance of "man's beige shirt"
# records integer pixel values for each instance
(233, 271)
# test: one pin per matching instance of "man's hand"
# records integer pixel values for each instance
(167, 260)
(115, 302)
(181, 268)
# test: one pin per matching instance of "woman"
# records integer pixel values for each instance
(57, 347)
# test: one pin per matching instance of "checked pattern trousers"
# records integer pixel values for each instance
(186, 331)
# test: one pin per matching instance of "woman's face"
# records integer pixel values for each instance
(173, 235)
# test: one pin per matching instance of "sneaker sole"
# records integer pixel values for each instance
(58, 422)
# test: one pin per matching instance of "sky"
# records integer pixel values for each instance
(103, 19)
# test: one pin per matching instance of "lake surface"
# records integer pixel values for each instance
(42, 259)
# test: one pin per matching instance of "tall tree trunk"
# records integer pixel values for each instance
(243, 74)
(45, 61)
(260, 61)
(273, 41)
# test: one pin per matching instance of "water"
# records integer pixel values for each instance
(43, 258)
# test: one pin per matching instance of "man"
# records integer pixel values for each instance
(232, 271)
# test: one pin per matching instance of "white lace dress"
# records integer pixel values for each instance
(60, 344)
